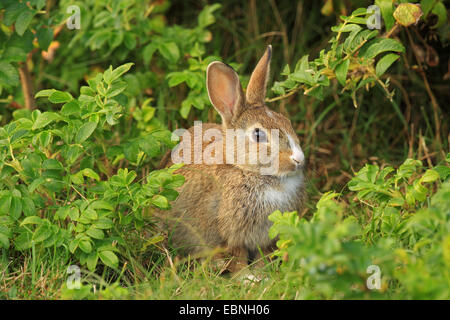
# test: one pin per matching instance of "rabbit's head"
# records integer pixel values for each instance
(266, 138)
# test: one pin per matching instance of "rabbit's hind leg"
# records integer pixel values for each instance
(238, 259)
(227, 260)
(258, 260)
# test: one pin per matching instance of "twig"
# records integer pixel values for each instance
(283, 30)
(27, 87)
(388, 34)
(425, 149)
(290, 93)
(434, 103)
(269, 34)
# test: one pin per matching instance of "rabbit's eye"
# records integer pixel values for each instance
(259, 136)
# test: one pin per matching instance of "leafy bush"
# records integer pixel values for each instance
(330, 255)
(51, 192)
(351, 62)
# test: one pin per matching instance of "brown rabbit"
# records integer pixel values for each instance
(226, 204)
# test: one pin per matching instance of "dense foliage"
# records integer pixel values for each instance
(87, 112)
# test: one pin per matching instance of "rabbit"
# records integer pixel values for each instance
(226, 205)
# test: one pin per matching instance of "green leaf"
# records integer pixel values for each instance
(5, 204)
(73, 245)
(206, 17)
(14, 54)
(13, 11)
(426, 6)
(170, 51)
(44, 37)
(301, 72)
(116, 39)
(52, 164)
(440, 10)
(44, 93)
(341, 71)
(317, 93)
(116, 88)
(359, 12)
(346, 28)
(42, 233)
(87, 91)
(175, 78)
(23, 241)
(90, 213)
(185, 108)
(149, 145)
(60, 97)
(176, 182)
(8, 75)
(85, 131)
(160, 202)
(62, 213)
(36, 183)
(98, 39)
(44, 119)
(102, 205)
(91, 174)
(429, 176)
(387, 10)
(85, 246)
(4, 241)
(419, 191)
(103, 223)
(28, 206)
(95, 233)
(31, 220)
(130, 40)
(148, 52)
(385, 63)
(70, 108)
(443, 171)
(23, 20)
(74, 213)
(77, 178)
(92, 261)
(109, 258)
(119, 71)
(44, 138)
(377, 46)
(102, 18)
(396, 202)
(107, 75)
(16, 208)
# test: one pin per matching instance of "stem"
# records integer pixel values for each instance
(388, 34)
(434, 102)
(27, 87)
(290, 93)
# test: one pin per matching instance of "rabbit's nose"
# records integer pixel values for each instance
(298, 157)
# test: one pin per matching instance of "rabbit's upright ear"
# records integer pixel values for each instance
(256, 89)
(224, 90)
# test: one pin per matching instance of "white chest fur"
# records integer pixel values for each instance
(282, 195)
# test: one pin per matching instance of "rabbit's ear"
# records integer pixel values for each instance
(224, 90)
(256, 89)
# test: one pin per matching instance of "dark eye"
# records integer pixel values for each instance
(259, 136)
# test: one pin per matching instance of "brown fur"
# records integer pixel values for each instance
(226, 205)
